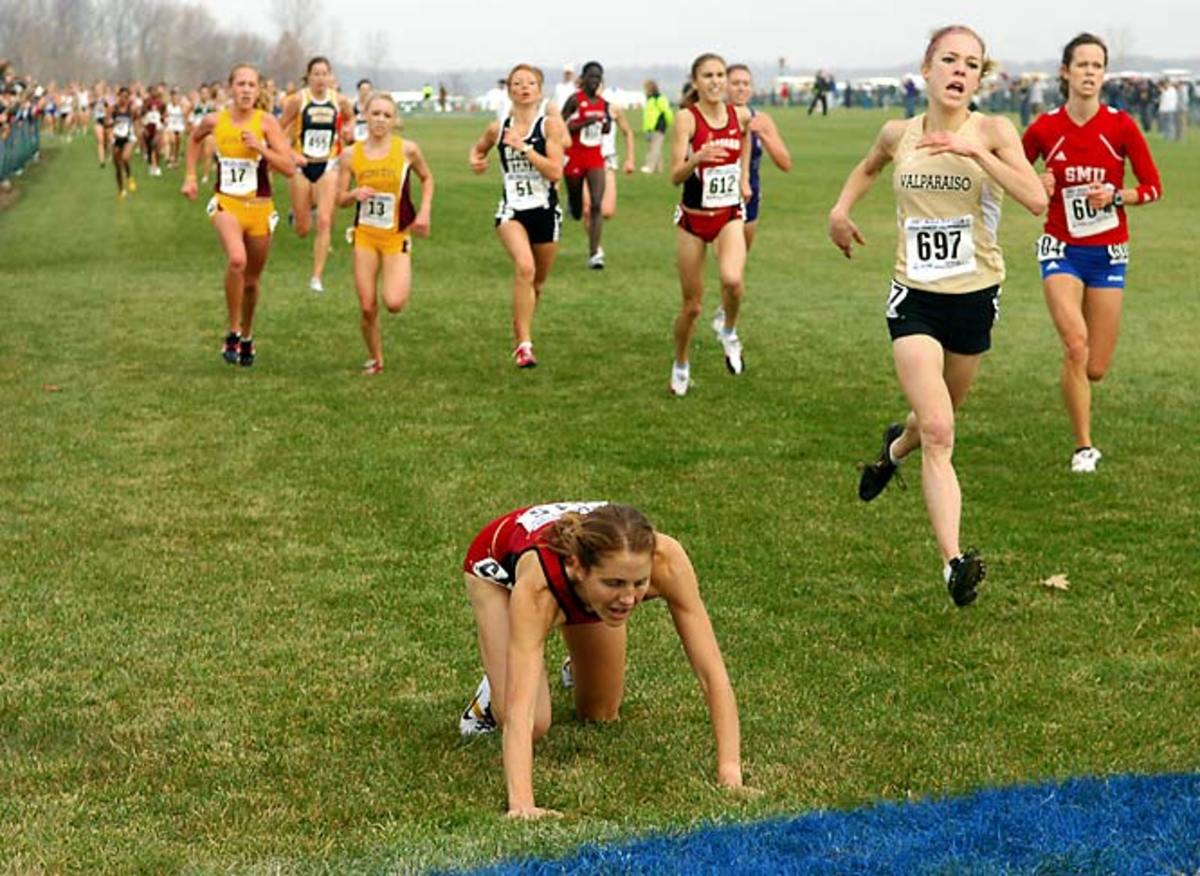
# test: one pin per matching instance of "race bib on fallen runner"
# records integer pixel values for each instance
(318, 144)
(937, 249)
(378, 211)
(721, 186)
(1084, 220)
(526, 190)
(239, 176)
(539, 515)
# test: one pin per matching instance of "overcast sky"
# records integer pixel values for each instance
(471, 34)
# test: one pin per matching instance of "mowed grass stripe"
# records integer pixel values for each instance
(232, 631)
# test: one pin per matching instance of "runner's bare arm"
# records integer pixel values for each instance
(345, 196)
(842, 230)
(1001, 156)
(764, 126)
(682, 165)
(346, 108)
(531, 614)
(627, 133)
(675, 580)
(420, 224)
(275, 149)
(477, 157)
(199, 132)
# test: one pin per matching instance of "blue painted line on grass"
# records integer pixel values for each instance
(1122, 825)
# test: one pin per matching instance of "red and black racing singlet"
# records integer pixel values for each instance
(714, 185)
(560, 587)
(500, 545)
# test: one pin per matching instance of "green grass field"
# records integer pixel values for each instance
(233, 635)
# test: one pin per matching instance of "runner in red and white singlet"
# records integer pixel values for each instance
(588, 119)
(710, 154)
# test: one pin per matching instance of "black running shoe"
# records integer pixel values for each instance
(875, 475)
(246, 352)
(967, 572)
(230, 351)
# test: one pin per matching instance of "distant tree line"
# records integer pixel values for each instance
(151, 40)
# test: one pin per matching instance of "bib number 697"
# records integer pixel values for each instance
(939, 245)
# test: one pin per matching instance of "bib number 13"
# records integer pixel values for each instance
(378, 211)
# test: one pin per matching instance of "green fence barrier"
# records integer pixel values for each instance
(19, 145)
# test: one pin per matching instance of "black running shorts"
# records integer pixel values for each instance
(543, 225)
(961, 323)
(314, 170)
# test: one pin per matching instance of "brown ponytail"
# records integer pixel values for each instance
(605, 530)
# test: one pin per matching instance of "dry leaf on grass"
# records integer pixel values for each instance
(51, 387)
(1057, 582)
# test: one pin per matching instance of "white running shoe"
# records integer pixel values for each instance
(568, 678)
(1085, 459)
(596, 262)
(733, 352)
(477, 717)
(681, 379)
(316, 285)
(718, 321)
